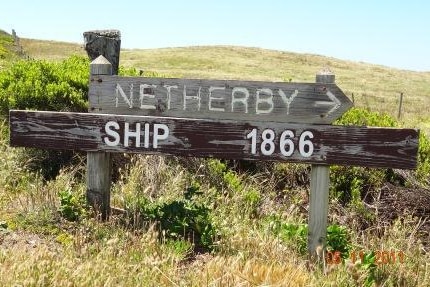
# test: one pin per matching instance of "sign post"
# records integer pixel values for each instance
(318, 197)
(99, 166)
(103, 48)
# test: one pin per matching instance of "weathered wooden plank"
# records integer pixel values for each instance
(317, 103)
(325, 144)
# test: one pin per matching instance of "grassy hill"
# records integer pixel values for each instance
(206, 222)
(372, 86)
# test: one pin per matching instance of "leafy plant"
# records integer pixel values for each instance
(423, 169)
(338, 238)
(43, 85)
(182, 219)
(369, 266)
(364, 117)
(72, 206)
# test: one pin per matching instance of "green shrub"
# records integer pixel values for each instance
(364, 117)
(42, 85)
(72, 206)
(423, 169)
(338, 237)
(181, 219)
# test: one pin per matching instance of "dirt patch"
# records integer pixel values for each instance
(395, 201)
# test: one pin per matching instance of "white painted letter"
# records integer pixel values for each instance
(143, 94)
(268, 100)
(169, 94)
(146, 136)
(120, 91)
(157, 136)
(243, 100)
(112, 133)
(289, 100)
(211, 89)
(198, 97)
(128, 134)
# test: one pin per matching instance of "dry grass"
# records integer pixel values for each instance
(50, 50)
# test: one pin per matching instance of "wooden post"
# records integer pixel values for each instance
(106, 43)
(399, 114)
(103, 48)
(318, 197)
(99, 163)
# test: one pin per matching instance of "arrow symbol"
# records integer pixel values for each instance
(334, 102)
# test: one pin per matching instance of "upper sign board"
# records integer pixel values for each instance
(314, 103)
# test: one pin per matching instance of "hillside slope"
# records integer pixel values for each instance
(375, 87)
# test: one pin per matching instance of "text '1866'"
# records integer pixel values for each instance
(287, 144)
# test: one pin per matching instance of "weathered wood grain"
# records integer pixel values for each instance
(106, 43)
(318, 196)
(99, 164)
(317, 103)
(374, 147)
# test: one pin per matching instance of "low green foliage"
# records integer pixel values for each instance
(423, 169)
(338, 237)
(365, 117)
(72, 206)
(42, 85)
(369, 266)
(180, 219)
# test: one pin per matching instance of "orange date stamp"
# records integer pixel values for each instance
(381, 257)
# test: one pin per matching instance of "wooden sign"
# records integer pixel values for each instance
(316, 103)
(323, 144)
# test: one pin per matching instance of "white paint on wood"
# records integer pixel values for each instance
(212, 98)
(239, 100)
(143, 94)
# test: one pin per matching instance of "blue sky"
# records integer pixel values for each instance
(391, 33)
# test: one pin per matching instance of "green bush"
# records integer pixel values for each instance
(181, 219)
(423, 169)
(72, 206)
(338, 237)
(42, 85)
(364, 117)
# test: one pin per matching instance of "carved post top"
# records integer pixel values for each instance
(101, 66)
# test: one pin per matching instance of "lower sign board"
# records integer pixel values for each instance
(322, 144)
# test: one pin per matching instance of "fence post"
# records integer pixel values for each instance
(399, 114)
(103, 48)
(318, 197)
